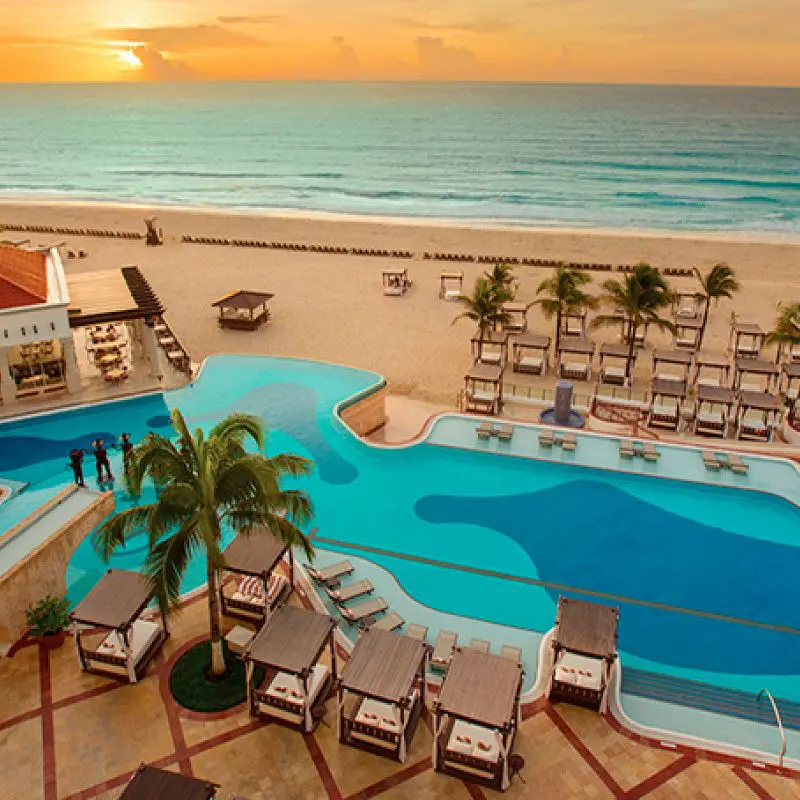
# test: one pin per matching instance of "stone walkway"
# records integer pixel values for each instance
(67, 734)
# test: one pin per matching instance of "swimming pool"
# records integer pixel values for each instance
(703, 575)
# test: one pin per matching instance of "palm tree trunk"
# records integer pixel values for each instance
(558, 330)
(632, 328)
(217, 656)
(705, 322)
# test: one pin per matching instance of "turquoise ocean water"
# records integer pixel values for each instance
(660, 158)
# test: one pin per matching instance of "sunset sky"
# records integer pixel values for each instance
(655, 41)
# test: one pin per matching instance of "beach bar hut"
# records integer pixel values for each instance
(113, 634)
(766, 371)
(666, 399)
(483, 389)
(254, 586)
(476, 716)
(746, 340)
(517, 317)
(790, 381)
(451, 285)
(678, 360)
(577, 365)
(585, 648)
(757, 415)
(381, 694)
(395, 282)
(491, 348)
(243, 310)
(152, 783)
(687, 333)
(296, 685)
(573, 323)
(711, 369)
(530, 353)
(614, 373)
(712, 410)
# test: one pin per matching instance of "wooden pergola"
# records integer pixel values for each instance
(676, 358)
(451, 285)
(296, 685)
(712, 410)
(573, 323)
(687, 305)
(575, 346)
(666, 400)
(381, 694)
(714, 362)
(483, 389)
(492, 348)
(395, 282)
(476, 716)
(585, 648)
(790, 372)
(243, 310)
(687, 332)
(112, 637)
(766, 370)
(757, 416)
(517, 317)
(530, 353)
(615, 374)
(152, 783)
(255, 557)
(746, 340)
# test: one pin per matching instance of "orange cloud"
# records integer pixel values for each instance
(182, 38)
(440, 60)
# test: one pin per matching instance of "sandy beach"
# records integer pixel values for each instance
(330, 307)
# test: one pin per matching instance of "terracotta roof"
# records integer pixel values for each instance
(23, 277)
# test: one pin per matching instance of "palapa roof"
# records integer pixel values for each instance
(588, 628)
(535, 341)
(384, 665)
(714, 394)
(112, 295)
(254, 553)
(615, 350)
(669, 387)
(491, 373)
(706, 359)
(672, 357)
(243, 299)
(481, 687)
(291, 639)
(576, 344)
(748, 329)
(151, 783)
(760, 401)
(756, 366)
(116, 600)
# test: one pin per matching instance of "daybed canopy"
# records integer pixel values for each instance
(687, 305)
(681, 358)
(517, 317)
(712, 361)
(151, 783)
(614, 374)
(757, 415)
(289, 647)
(381, 694)
(395, 282)
(666, 398)
(747, 339)
(790, 372)
(573, 323)
(687, 332)
(755, 366)
(115, 606)
(476, 717)
(575, 345)
(491, 348)
(243, 309)
(523, 360)
(451, 285)
(483, 388)
(712, 410)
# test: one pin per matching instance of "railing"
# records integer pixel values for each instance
(779, 721)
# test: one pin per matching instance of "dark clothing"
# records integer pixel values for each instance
(127, 452)
(101, 459)
(76, 463)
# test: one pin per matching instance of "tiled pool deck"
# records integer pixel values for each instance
(66, 734)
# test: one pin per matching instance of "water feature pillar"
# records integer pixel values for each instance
(563, 404)
(71, 373)
(151, 349)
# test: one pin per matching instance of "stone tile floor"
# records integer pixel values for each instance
(64, 734)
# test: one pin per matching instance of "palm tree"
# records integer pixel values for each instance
(205, 482)
(484, 306)
(720, 281)
(787, 329)
(504, 281)
(637, 301)
(564, 295)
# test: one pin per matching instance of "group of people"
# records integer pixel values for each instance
(100, 453)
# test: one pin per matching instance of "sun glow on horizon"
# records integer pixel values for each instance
(129, 58)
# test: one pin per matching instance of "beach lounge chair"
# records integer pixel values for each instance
(350, 592)
(363, 611)
(332, 574)
(505, 432)
(484, 430)
(546, 438)
(511, 653)
(650, 452)
(626, 449)
(737, 465)
(415, 631)
(390, 621)
(443, 650)
(569, 441)
(481, 645)
(710, 461)
(722, 458)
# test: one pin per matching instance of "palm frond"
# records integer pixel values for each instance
(117, 529)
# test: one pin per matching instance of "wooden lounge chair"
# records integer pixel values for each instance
(388, 622)
(350, 592)
(710, 461)
(569, 441)
(650, 452)
(364, 610)
(481, 645)
(737, 465)
(505, 432)
(332, 574)
(484, 430)
(443, 650)
(546, 438)
(511, 653)
(415, 631)
(626, 449)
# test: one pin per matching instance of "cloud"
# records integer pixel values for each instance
(155, 67)
(479, 26)
(440, 60)
(181, 38)
(346, 63)
(252, 19)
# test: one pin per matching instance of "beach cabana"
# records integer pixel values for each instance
(687, 305)
(639, 335)
(530, 353)
(476, 716)
(517, 317)
(254, 586)
(678, 360)
(765, 371)
(585, 648)
(451, 285)
(492, 348)
(381, 694)
(687, 333)
(757, 415)
(711, 369)
(574, 358)
(483, 389)
(152, 783)
(614, 373)
(790, 381)
(288, 648)
(574, 324)
(666, 399)
(243, 310)
(395, 282)
(746, 340)
(712, 410)
(112, 634)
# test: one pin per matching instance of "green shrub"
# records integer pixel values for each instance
(49, 616)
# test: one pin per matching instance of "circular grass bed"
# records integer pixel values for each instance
(193, 690)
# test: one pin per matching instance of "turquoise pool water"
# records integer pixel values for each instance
(704, 575)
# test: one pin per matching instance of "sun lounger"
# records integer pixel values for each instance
(722, 459)
(364, 610)
(484, 430)
(626, 449)
(710, 461)
(650, 452)
(350, 592)
(443, 650)
(569, 441)
(331, 574)
(481, 645)
(388, 622)
(505, 432)
(737, 465)
(414, 631)
(511, 653)
(546, 439)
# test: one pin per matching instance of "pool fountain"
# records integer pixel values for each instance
(562, 413)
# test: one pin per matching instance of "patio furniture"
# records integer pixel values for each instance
(505, 432)
(152, 783)
(350, 592)
(491, 348)
(512, 653)
(680, 359)
(718, 365)
(517, 317)
(546, 438)
(415, 631)
(330, 575)
(395, 282)
(485, 430)
(712, 410)
(746, 340)
(735, 464)
(615, 374)
(710, 461)
(238, 639)
(573, 369)
(483, 389)
(243, 310)
(569, 441)
(451, 285)
(687, 333)
(666, 398)
(364, 611)
(443, 650)
(481, 645)
(390, 621)
(530, 353)
(757, 415)
(650, 452)
(627, 449)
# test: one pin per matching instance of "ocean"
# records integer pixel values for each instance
(540, 155)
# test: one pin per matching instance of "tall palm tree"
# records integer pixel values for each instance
(484, 306)
(637, 301)
(720, 281)
(787, 329)
(564, 295)
(205, 483)
(504, 281)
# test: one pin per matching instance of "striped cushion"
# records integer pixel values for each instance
(251, 586)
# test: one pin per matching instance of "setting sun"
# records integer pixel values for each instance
(129, 58)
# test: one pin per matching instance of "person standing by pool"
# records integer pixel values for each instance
(101, 459)
(127, 449)
(76, 464)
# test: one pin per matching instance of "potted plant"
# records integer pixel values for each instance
(48, 619)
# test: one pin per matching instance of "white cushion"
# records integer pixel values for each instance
(580, 670)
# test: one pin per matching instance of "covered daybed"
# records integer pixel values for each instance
(614, 373)
(381, 694)
(491, 348)
(679, 360)
(790, 380)
(114, 634)
(746, 340)
(687, 305)
(585, 648)
(757, 415)
(712, 410)
(395, 282)
(483, 389)
(666, 400)
(517, 317)
(296, 685)
(574, 324)
(711, 369)
(687, 333)
(243, 310)
(530, 353)
(255, 586)
(476, 716)
(152, 783)
(578, 364)
(766, 371)
(451, 285)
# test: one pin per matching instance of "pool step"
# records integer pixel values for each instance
(705, 697)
